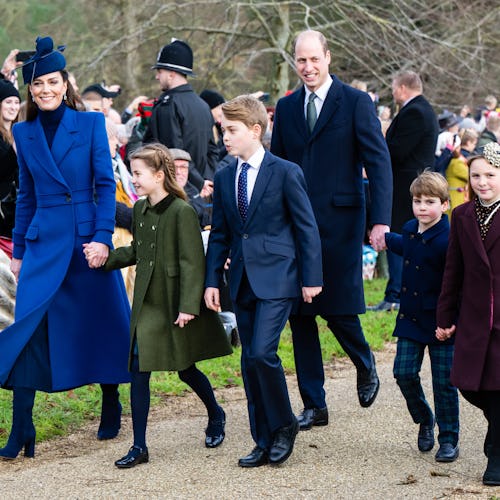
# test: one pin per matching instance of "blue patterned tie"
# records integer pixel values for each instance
(242, 192)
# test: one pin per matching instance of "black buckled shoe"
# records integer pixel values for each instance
(425, 439)
(283, 442)
(215, 432)
(255, 458)
(312, 417)
(447, 453)
(135, 456)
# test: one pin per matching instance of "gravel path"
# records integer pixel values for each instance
(363, 453)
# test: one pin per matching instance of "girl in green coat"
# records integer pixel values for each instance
(170, 329)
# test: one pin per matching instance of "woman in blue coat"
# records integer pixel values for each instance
(71, 322)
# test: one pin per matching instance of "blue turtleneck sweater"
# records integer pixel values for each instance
(50, 121)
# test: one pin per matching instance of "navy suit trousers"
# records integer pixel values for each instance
(260, 323)
(308, 358)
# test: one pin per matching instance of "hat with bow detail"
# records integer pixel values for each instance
(46, 60)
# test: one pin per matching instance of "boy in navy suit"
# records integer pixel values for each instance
(263, 221)
(423, 244)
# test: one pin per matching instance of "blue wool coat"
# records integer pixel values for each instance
(424, 258)
(67, 198)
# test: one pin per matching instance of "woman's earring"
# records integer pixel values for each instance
(65, 97)
(32, 98)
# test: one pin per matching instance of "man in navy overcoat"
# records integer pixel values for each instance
(332, 143)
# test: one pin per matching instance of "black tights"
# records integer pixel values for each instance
(140, 397)
(489, 402)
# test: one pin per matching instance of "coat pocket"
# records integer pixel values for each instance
(31, 233)
(347, 200)
(86, 228)
(279, 248)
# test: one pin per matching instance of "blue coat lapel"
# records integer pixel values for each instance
(300, 118)
(261, 184)
(230, 191)
(329, 108)
(40, 152)
(65, 136)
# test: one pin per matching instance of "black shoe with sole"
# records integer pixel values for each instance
(135, 456)
(312, 417)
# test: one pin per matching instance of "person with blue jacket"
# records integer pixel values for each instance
(422, 245)
(71, 322)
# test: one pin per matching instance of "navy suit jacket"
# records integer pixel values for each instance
(346, 138)
(278, 245)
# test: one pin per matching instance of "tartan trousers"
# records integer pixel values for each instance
(407, 365)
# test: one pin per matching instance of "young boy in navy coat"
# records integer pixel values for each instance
(423, 244)
(262, 219)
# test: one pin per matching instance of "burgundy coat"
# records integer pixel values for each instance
(470, 298)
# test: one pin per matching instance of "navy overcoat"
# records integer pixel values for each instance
(67, 198)
(346, 138)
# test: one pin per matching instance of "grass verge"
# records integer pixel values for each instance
(59, 413)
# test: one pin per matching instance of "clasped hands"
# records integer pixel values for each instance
(96, 254)
(445, 333)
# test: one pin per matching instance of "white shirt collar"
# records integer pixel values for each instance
(255, 160)
(322, 91)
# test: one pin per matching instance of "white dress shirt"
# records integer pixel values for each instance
(321, 94)
(254, 161)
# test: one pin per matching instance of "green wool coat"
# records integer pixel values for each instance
(168, 252)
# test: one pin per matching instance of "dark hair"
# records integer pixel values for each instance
(6, 134)
(158, 158)
(73, 100)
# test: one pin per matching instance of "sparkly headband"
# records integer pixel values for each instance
(492, 153)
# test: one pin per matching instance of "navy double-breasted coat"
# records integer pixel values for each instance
(67, 198)
(424, 257)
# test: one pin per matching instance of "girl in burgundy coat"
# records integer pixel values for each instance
(469, 304)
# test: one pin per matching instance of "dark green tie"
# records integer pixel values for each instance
(312, 116)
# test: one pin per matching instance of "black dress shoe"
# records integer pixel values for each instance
(447, 453)
(491, 475)
(215, 431)
(368, 385)
(256, 458)
(284, 440)
(384, 306)
(426, 437)
(312, 416)
(135, 456)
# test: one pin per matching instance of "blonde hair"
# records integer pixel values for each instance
(248, 110)
(430, 184)
(158, 158)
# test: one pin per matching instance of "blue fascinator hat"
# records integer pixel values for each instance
(46, 60)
